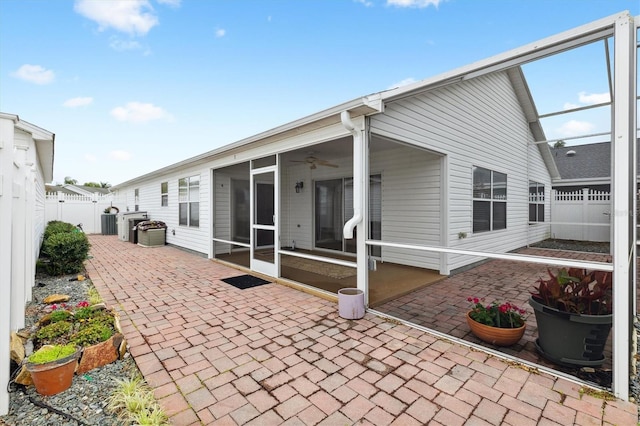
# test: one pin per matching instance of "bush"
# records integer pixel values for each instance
(91, 335)
(66, 252)
(53, 331)
(57, 227)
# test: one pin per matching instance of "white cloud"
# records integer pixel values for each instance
(138, 112)
(413, 3)
(593, 98)
(220, 32)
(78, 102)
(404, 82)
(364, 2)
(122, 45)
(120, 155)
(90, 158)
(129, 16)
(173, 3)
(34, 74)
(575, 128)
(569, 105)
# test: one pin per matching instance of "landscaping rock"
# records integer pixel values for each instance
(24, 377)
(104, 353)
(17, 348)
(56, 298)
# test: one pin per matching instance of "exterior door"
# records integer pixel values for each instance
(263, 221)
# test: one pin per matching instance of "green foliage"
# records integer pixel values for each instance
(577, 291)
(84, 313)
(59, 315)
(134, 401)
(501, 315)
(94, 296)
(66, 252)
(54, 330)
(91, 334)
(51, 353)
(57, 227)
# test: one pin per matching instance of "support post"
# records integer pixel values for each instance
(623, 143)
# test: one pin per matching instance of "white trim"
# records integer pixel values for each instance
(320, 258)
(601, 266)
(624, 218)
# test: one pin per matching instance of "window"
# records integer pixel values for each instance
(136, 200)
(189, 201)
(536, 202)
(489, 200)
(164, 194)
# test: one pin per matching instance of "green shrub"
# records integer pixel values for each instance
(91, 335)
(54, 330)
(57, 227)
(51, 353)
(59, 315)
(66, 252)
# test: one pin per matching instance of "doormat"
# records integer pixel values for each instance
(245, 281)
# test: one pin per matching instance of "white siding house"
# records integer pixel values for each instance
(439, 175)
(26, 163)
(423, 147)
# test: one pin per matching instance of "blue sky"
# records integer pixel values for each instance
(134, 85)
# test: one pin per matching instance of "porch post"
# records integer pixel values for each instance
(363, 227)
(360, 179)
(623, 142)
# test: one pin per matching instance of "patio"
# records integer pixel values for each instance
(269, 355)
(442, 306)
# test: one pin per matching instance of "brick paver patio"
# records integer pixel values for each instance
(273, 355)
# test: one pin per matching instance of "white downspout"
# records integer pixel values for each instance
(351, 224)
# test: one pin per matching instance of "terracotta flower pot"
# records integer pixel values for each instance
(54, 377)
(495, 335)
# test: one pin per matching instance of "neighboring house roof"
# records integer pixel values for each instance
(588, 163)
(44, 140)
(375, 103)
(77, 189)
(583, 161)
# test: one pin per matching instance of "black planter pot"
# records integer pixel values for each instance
(568, 339)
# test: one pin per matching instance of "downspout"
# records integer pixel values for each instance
(351, 224)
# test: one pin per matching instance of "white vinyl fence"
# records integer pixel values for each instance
(77, 209)
(583, 215)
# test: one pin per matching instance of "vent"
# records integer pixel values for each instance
(571, 153)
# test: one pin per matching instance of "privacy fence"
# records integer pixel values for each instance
(77, 209)
(583, 215)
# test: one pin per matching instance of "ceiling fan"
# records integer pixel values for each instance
(314, 162)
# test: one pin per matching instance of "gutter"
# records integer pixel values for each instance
(347, 231)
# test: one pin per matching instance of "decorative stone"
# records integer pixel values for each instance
(17, 348)
(24, 377)
(99, 306)
(122, 350)
(101, 354)
(56, 298)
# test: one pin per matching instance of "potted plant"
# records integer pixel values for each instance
(573, 311)
(501, 324)
(52, 368)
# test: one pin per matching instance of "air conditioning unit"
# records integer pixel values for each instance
(123, 223)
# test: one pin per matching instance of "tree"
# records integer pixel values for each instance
(559, 144)
(70, 181)
(97, 185)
